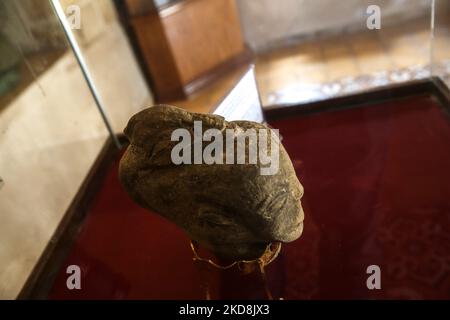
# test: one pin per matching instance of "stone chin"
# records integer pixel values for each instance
(248, 250)
(295, 231)
(244, 244)
(237, 251)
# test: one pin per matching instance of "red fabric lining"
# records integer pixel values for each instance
(377, 191)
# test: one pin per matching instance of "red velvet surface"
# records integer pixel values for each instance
(377, 192)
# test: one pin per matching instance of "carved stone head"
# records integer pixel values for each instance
(231, 208)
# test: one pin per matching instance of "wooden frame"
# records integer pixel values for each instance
(434, 86)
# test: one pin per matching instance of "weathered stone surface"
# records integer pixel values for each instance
(231, 209)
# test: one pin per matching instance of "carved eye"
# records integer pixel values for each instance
(214, 221)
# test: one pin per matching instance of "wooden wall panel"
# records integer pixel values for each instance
(187, 44)
(158, 57)
(203, 34)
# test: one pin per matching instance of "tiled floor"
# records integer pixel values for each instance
(345, 63)
(301, 72)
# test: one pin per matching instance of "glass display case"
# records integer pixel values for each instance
(51, 134)
(362, 107)
(51, 131)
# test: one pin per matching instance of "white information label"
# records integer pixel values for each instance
(243, 102)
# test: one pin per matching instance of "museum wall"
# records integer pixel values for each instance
(51, 131)
(268, 23)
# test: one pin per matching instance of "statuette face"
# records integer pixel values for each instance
(232, 190)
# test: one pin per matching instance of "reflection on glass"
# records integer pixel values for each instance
(50, 135)
(110, 60)
(440, 53)
(306, 52)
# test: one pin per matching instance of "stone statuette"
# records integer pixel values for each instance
(231, 209)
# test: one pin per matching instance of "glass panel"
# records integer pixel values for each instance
(50, 135)
(109, 58)
(311, 50)
(441, 41)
